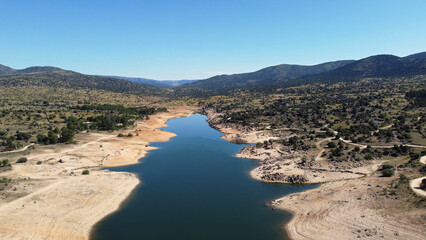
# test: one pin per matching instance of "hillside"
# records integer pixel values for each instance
(35, 69)
(279, 73)
(6, 69)
(417, 55)
(158, 83)
(73, 80)
(379, 66)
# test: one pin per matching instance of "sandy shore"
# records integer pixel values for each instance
(350, 209)
(53, 200)
(347, 205)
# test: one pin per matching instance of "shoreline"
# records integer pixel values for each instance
(55, 200)
(341, 207)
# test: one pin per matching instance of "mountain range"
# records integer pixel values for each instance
(158, 83)
(379, 66)
(290, 75)
(274, 74)
(59, 78)
(8, 70)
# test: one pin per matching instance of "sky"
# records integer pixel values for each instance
(196, 39)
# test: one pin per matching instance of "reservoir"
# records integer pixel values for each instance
(193, 187)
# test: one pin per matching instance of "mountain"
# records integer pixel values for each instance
(274, 74)
(8, 70)
(158, 83)
(38, 69)
(52, 77)
(379, 66)
(417, 55)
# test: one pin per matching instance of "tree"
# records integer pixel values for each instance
(423, 184)
(67, 135)
(5, 162)
(22, 160)
(388, 173)
(331, 144)
(403, 178)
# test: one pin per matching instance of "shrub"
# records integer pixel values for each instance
(5, 162)
(85, 172)
(331, 145)
(120, 135)
(39, 162)
(388, 173)
(130, 135)
(423, 184)
(387, 166)
(403, 178)
(22, 160)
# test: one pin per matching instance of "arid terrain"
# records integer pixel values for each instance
(352, 202)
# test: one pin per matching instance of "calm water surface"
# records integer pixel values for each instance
(193, 187)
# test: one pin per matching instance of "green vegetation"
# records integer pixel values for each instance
(51, 116)
(22, 160)
(5, 163)
(423, 184)
(73, 80)
(85, 172)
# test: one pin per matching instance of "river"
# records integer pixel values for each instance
(193, 187)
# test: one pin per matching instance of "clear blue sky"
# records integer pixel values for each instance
(193, 39)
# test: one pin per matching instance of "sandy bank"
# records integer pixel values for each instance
(350, 209)
(53, 200)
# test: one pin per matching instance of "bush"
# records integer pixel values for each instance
(403, 178)
(331, 145)
(85, 172)
(22, 160)
(423, 184)
(130, 135)
(120, 135)
(387, 166)
(388, 173)
(39, 162)
(5, 162)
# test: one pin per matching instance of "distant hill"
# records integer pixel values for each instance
(372, 67)
(274, 74)
(8, 70)
(158, 83)
(417, 55)
(55, 77)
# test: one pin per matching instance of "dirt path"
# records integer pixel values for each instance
(415, 184)
(18, 150)
(318, 144)
(362, 146)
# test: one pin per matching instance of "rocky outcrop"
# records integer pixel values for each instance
(280, 177)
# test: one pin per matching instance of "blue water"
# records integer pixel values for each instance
(193, 187)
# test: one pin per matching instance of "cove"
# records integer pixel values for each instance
(193, 187)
